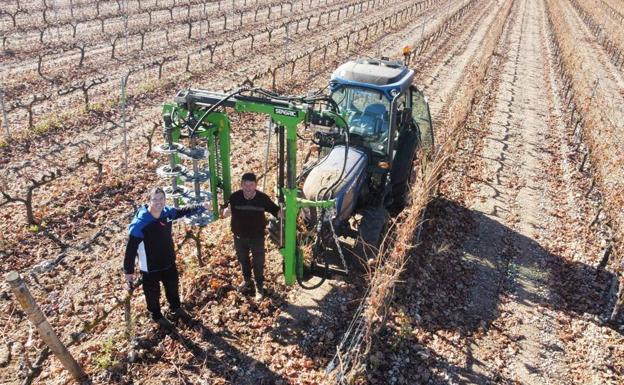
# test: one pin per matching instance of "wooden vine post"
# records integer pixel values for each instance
(5, 119)
(36, 317)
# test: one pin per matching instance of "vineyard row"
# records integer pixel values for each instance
(53, 36)
(301, 63)
(29, 104)
(590, 126)
(48, 13)
(612, 47)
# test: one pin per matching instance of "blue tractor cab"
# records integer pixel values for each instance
(386, 114)
(386, 77)
(370, 171)
(388, 120)
(373, 96)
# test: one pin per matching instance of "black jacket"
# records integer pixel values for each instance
(150, 238)
(248, 220)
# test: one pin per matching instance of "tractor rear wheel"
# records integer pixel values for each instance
(427, 143)
(371, 232)
(401, 175)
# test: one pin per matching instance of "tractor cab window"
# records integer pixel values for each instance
(367, 112)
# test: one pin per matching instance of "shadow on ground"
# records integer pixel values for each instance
(206, 349)
(574, 288)
(439, 284)
(321, 314)
(312, 322)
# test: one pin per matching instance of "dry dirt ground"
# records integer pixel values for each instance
(505, 287)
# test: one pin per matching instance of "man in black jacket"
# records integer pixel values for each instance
(150, 240)
(247, 207)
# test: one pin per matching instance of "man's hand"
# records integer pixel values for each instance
(130, 278)
(225, 212)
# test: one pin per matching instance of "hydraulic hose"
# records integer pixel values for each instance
(323, 276)
(326, 191)
(214, 107)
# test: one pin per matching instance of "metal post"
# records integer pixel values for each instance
(195, 162)
(593, 95)
(5, 118)
(124, 81)
(266, 157)
(422, 31)
(36, 317)
(285, 55)
(225, 152)
(602, 30)
(126, 27)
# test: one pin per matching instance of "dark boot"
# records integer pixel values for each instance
(180, 314)
(164, 323)
(246, 288)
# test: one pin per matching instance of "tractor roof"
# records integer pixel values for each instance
(383, 75)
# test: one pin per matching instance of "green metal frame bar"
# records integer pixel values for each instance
(214, 125)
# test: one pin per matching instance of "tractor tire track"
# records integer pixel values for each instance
(522, 206)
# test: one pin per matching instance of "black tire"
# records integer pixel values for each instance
(371, 231)
(427, 142)
(402, 167)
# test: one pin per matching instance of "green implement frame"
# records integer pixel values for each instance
(206, 122)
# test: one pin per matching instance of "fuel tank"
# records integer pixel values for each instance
(329, 169)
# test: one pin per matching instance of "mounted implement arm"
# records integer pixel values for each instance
(200, 114)
(370, 130)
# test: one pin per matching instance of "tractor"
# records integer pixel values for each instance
(364, 135)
